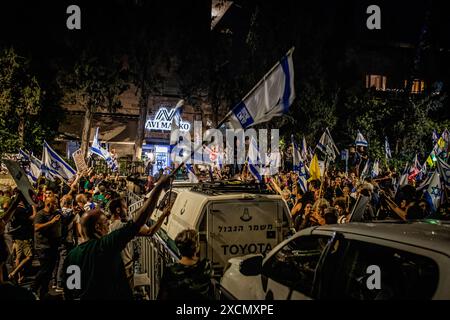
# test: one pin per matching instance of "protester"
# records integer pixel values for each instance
(22, 233)
(99, 258)
(47, 226)
(9, 291)
(190, 278)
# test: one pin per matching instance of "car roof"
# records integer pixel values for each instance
(431, 234)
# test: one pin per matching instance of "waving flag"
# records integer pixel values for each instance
(444, 171)
(441, 147)
(403, 181)
(54, 166)
(415, 170)
(387, 149)
(296, 156)
(327, 145)
(365, 172)
(191, 174)
(376, 169)
(434, 192)
(434, 137)
(304, 152)
(97, 149)
(314, 169)
(360, 140)
(273, 163)
(271, 97)
(299, 167)
(176, 120)
(24, 155)
(254, 161)
(33, 170)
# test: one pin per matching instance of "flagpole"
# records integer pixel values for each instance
(291, 50)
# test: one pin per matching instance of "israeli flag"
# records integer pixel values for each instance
(54, 166)
(304, 152)
(444, 171)
(327, 146)
(33, 169)
(365, 171)
(273, 163)
(24, 155)
(97, 149)
(435, 137)
(271, 97)
(434, 192)
(176, 120)
(191, 174)
(360, 140)
(254, 160)
(387, 149)
(376, 169)
(403, 181)
(296, 156)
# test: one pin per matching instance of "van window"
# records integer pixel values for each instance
(294, 265)
(403, 275)
(165, 200)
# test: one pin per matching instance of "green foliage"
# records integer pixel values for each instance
(93, 83)
(20, 104)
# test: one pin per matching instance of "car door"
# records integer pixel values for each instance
(289, 273)
(380, 271)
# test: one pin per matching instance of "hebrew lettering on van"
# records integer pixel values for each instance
(229, 229)
(261, 227)
(242, 228)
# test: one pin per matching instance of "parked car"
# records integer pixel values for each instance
(410, 259)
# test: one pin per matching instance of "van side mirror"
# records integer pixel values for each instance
(252, 266)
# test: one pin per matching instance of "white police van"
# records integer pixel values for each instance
(233, 219)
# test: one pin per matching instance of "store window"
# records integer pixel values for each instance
(376, 81)
(418, 86)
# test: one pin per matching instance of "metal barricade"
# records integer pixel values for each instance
(153, 252)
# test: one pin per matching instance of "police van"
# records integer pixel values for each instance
(233, 219)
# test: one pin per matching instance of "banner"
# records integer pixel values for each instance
(80, 163)
(22, 182)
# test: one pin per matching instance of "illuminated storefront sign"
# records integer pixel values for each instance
(163, 121)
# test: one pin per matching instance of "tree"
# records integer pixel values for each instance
(93, 83)
(20, 100)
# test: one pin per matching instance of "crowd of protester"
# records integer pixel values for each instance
(49, 230)
(85, 222)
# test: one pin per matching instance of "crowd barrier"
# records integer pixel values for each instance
(152, 252)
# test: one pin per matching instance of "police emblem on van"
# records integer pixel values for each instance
(246, 217)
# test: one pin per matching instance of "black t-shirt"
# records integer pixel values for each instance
(181, 282)
(102, 270)
(21, 224)
(49, 237)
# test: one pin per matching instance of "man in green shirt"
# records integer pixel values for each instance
(99, 257)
